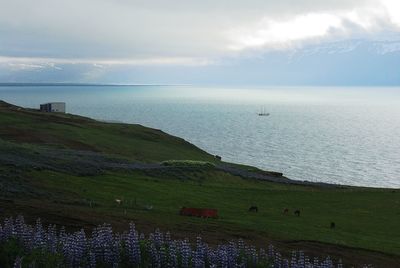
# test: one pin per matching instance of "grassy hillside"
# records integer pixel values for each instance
(133, 142)
(61, 192)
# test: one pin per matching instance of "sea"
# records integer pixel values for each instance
(341, 135)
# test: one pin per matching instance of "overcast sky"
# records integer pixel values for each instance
(116, 40)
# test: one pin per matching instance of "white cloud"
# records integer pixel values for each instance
(292, 31)
(175, 32)
(279, 34)
(393, 10)
(25, 64)
(39, 62)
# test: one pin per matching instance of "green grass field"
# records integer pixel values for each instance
(133, 142)
(367, 220)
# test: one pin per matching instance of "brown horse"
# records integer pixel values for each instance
(286, 211)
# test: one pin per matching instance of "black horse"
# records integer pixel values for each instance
(297, 213)
(333, 225)
(253, 209)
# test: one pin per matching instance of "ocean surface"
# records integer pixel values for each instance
(336, 135)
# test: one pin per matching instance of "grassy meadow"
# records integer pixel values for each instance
(366, 219)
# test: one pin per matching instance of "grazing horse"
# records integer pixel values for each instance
(333, 225)
(253, 209)
(297, 213)
(286, 211)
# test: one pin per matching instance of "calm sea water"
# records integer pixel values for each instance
(337, 135)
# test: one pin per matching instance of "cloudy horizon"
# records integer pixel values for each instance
(252, 42)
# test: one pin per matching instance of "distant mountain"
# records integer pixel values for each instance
(347, 63)
(375, 47)
(355, 62)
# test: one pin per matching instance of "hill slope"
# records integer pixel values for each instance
(69, 170)
(133, 142)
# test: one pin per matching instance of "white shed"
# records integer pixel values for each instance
(53, 107)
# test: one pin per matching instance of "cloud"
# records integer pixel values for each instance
(170, 29)
(24, 66)
(92, 37)
(310, 27)
(39, 62)
(281, 34)
(393, 10)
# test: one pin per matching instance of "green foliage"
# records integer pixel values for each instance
(357, 212)
(8, 253)
(11, 249)
(365, 218)
(188, 163)
(134, 142)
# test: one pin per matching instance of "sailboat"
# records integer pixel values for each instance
(262, 112)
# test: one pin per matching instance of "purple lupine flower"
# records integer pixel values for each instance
(168, 238)
(301, 260)
(163, 256)
(198, 256)
(51, 239)
(293, 260)
(185, 253)
(107, 254)
(277, 260)
(223, 257)
(253, 256)
(263, 255)
(173, 257)
(116, 250)
(1, 233)
(92, 259)
(158, 238)
(214, 256)
(328, 262)
(62, 236)
(271, 252)
(316, 262)
(233, 253)
(23, 233)
(18, 262)
(19, 226)
(104, 248)
(39, 236)
(133, 246)
(340, 265)
(307, 263)
(74, 248)
(154, 254)
(8, 229)
(285, 264)
(102, 244)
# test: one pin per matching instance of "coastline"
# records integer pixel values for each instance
(69, 170)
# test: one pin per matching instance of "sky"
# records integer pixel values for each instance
(227, 42)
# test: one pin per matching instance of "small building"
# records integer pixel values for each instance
(199, 212)
(53, 107)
